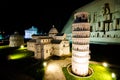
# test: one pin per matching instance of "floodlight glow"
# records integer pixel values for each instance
(16, 56)
(105, 64)
(51, 67)
(113, 75)
(44, 64)
(22, 46)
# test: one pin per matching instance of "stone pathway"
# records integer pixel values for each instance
(54, 69)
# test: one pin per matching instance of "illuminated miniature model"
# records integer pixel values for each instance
(104, 18)
(16, 40)
(29, 32)
(53, 31)
(80, 44)
(45, 46)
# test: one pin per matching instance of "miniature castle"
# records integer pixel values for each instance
(46, 45)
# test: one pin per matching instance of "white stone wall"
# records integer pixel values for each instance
(56, 49)
(31, 46)
(103, 19)
(16, 41)
(80, 44)
(38, 52)
(60, 37)
(47, 50)
(65, 48)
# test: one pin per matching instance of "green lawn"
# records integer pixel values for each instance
(23, 62)
(15, 52)
(2, 47)
(99, 73)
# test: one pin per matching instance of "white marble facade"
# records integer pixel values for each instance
(52, 44)
(29, 32)
(16, 40)
(80, 44)
(104, 17)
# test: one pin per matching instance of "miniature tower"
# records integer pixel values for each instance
(80, 44)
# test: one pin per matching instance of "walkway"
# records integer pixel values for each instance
(54, 69)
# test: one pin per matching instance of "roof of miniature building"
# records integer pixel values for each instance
(32, 40)
(56, 41)
(16, 34)
(40, 34)
(53, 30)
(59, 34)
(45, 37)
(35, 35)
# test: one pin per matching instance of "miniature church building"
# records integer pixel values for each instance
(80, 44)
(45, 46)
(29, 32)
(16, 40)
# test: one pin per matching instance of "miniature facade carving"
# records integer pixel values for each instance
(104, 19)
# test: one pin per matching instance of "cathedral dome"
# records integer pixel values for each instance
(53, 30)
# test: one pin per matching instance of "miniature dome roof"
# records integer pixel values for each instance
(16, 35)
(53, 30)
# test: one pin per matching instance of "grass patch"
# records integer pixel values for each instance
(21, 61)
(5, 46)
(20, 53)
(36, 71)
(99, 73)
(13, 53)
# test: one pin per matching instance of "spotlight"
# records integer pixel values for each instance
(105, 64)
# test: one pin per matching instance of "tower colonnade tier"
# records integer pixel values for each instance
(80, 44)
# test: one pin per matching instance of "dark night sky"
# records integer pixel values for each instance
(20, 15)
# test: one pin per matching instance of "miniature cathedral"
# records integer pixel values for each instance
(46, 45)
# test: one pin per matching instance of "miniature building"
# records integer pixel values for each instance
(104, 18)
(29, 32)
(80, 44)
(45, 46)
(53, 31)
(16, 40)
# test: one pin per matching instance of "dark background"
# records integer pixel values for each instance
(20, 15)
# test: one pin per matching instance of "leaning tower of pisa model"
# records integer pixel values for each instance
(80, 44)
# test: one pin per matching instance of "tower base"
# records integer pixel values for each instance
(69, 69)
